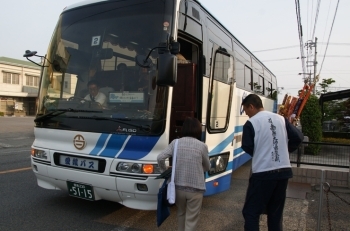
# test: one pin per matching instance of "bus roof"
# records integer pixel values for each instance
(88, 2)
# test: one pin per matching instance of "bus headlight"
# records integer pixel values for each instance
(138, 168)
(218, 164)
(39, 153)
(123, 166)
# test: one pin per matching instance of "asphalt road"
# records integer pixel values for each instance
(26, 206)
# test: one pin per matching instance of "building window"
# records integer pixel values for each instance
(65, 84)
(10, 78)
(32, 80)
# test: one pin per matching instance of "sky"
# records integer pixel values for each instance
(268, 28)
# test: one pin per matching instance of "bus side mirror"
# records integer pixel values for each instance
(167, 69)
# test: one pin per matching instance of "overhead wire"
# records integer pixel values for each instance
(278, 48)
(287, 47)
(325, 27)
(293, 58)
(280, 59)
(330, 32)
(337, 75)
(307, 20)
(300, 30)
(316, 17)
(310, 42)
(309, 28)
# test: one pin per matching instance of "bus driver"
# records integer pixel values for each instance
(94, 94)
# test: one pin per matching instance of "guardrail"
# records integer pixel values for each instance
(329, 154)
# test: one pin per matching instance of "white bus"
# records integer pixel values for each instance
(189, 65)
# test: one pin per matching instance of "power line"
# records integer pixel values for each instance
(288, 47)
(317, 11)
(278, 48)
(308, 30)
(330, 32)
(280, 59)
(300, 30)
(339, 44)
(337, 75)
(329, 9)
(338, 56)
(293, 58)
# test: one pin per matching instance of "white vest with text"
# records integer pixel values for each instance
(270, 142)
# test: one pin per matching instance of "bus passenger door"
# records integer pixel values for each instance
(184, 98)
(220, 128)
(220, 90)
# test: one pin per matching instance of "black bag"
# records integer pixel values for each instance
(165, 175)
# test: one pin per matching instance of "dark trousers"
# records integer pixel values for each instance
(265, 196)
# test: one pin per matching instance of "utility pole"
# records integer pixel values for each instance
(309, 45)
(315, 65)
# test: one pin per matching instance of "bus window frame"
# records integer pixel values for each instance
(219, 50)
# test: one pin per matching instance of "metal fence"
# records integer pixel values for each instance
(326, 154)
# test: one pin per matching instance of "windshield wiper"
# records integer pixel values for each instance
(53, 113)
(145, 128)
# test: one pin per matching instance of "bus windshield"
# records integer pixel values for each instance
(91, 81)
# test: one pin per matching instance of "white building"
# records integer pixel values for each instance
(19, 81)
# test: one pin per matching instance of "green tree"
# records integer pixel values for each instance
(310, 120)
(330, 108)
(325, 86)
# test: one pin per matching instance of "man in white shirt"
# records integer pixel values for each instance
(94, 94)
(268, 138)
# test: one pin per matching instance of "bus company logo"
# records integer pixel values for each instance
(130, 130)
(79, 142)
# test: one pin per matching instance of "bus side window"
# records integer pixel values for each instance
(239, 68)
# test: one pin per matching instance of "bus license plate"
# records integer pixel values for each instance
(80, 190)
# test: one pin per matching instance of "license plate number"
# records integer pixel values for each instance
(80, 190)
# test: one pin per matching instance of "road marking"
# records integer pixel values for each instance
(15, 170)
(16, 151)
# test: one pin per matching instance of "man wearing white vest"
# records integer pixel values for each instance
(268, 138)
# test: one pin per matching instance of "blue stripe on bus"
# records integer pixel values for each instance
(237, 151)
(222, 145)
(223, 185)
(239, 129)
(226, 141)
(114, 145)
(99, 145)
(229, 165)
(239, 161)
(138, 147)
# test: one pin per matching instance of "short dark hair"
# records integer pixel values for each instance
(93, 82)
(192, 128)
(254, 100)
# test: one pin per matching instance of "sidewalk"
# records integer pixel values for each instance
(296, 207)
(295, 210)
